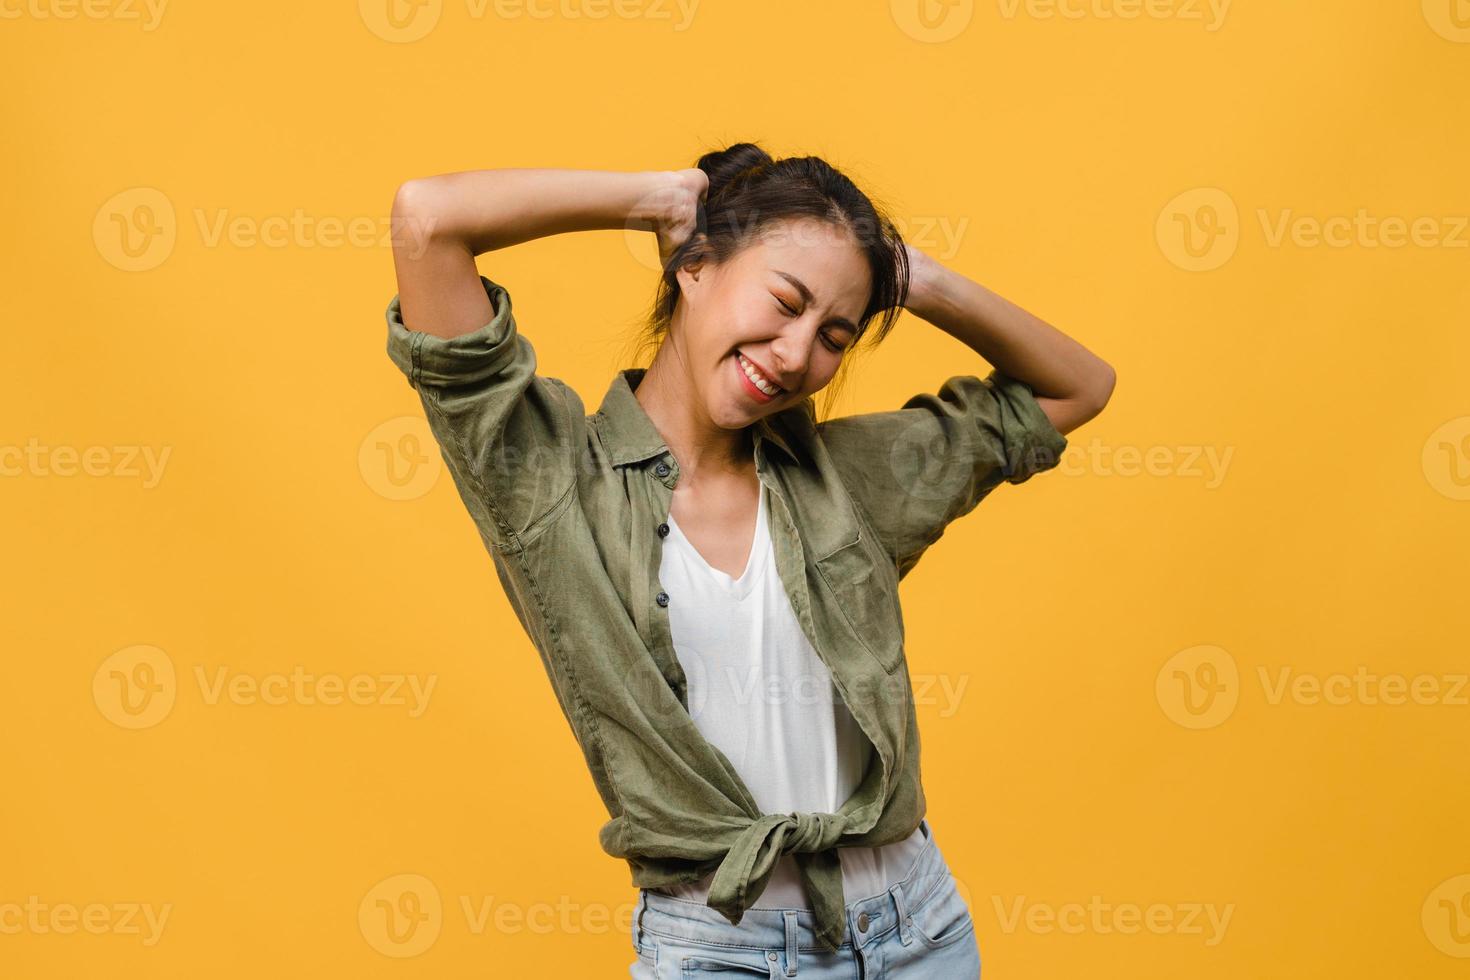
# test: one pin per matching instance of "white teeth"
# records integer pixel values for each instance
(755, 376)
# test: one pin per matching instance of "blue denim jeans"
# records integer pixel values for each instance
(918, 928)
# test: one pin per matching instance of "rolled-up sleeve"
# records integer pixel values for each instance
(915, 470)
(507, 433)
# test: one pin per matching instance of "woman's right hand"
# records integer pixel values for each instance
(677, 210)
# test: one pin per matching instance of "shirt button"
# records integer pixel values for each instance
(662, 598)
(862, 922)
(663, 530)
(662, 469)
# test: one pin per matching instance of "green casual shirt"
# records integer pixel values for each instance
(573, 508)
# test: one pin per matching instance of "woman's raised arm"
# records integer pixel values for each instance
(441, 223)
(1071, 383)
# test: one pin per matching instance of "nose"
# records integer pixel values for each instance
(791, 351)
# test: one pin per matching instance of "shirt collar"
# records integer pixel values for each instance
(629, 433)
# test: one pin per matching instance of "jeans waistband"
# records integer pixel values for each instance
(867, 919)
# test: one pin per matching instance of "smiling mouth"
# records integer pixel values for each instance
(758, 378)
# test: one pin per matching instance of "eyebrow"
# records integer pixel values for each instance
(806, 296)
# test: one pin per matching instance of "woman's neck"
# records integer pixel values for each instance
(700, 446)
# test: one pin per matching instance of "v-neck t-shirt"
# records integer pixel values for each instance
(759, 693)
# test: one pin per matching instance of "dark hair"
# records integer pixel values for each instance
(749, 191)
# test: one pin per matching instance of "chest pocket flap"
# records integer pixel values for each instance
(864, 586)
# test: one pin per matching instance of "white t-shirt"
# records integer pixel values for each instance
(759, 693)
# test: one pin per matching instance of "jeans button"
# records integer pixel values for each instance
(862, 922)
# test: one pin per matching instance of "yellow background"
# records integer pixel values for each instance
(1072, 151)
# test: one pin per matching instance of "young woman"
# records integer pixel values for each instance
(709, 570)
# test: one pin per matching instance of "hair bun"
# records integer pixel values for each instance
(722, 167)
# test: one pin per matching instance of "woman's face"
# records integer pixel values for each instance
(785, 309)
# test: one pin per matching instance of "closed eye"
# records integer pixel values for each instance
(826, 338)
(827, 341)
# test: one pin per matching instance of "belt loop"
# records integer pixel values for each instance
(905, 922)
(791, 937)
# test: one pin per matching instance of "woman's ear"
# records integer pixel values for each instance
(689, 275)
